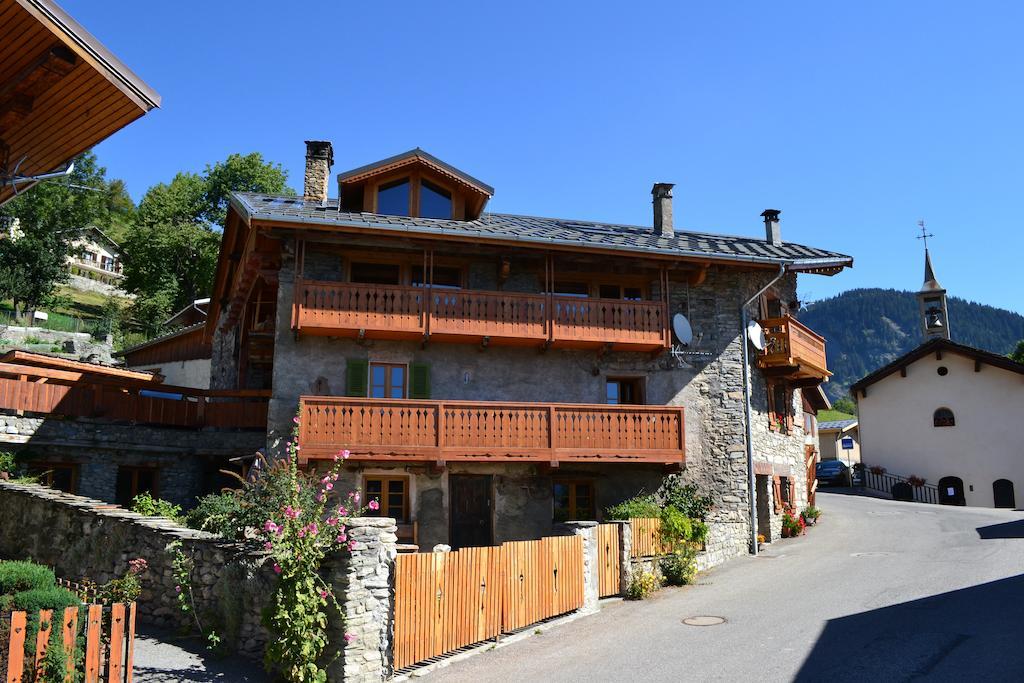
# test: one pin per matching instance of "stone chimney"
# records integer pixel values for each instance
(319, 159)
(662, 193)
(772, 232)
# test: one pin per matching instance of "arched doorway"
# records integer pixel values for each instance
(901, 490)
(951, 491)
(1002, 493)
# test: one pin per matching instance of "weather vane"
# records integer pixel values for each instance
(924, 234)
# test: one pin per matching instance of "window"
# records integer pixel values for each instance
(943, 417)
(569, 288)
(445, 277)
(785, 492)
(809, 421)
(387, 380)
(434, 201)
(375, 273)
(131, 481)
(392, 493)
(771, 307)
(780, 399)
(624, 391)
(612, 291)
(572, 500)
(62, 477)
(393, 198)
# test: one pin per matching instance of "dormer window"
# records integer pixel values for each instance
(393, 198)
(435, 202)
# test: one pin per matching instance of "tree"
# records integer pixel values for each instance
(51, 215)
(1018, 352)
(170, 249)
(845, 405)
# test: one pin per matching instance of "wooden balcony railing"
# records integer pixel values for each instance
(382, 429)
(460, 315)
(790, 344)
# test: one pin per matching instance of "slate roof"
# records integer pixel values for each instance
(536, 230)
(836, 425)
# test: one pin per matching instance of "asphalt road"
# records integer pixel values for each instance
(877, 591)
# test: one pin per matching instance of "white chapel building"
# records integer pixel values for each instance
(948, 413)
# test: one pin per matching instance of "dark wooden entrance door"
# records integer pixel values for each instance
(951, 491)
(470, 510)
(1002, 493)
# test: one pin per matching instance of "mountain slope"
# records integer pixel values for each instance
(866, 328)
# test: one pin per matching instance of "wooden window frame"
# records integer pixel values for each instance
(641, 388)
(45, 473)
(385, 479)
(415, 176)
(594, 281)
(135, 470)
(780, 422)
(572, 484)
(405, 264)
(387, 380)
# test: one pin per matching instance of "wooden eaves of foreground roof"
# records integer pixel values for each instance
(61, 90)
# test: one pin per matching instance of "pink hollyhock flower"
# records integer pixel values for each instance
(177, 589)
(332, 521)
(319, 497)
(352, 545)
(341, 538)
(326, 479)
(313, 529)
(302, 533)
(349, 637)
(296, 420)
(373, 504)
(292, 513)
(355, 496)
(277, 568)
(268, 546)
(342, 510)
(323, 594)
(269, 526)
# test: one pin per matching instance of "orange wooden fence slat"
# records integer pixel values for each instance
(115, 653)
(646, 532)
(609, 558)
(70, 625)
(16, 648)
(92, 644)
(43, 638)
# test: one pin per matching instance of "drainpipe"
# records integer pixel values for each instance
(751, 479)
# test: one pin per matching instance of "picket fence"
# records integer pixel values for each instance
(111, 652)
(446, 601)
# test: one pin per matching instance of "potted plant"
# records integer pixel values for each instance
(876, 469)
(760, 541)
(792, 526)
(916, 481)
(810, 515)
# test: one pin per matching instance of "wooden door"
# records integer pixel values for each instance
(470, 510)
(1002, 493)
(951, 491)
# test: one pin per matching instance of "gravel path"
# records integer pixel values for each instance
(160, 658)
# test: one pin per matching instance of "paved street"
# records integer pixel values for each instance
(879, 590)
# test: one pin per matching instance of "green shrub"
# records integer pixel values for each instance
(680, 567)
(637, 506)
(145, 504)
(30, 341)
(54, 597)
(641, 585)
(218, 513)
(684, 497)
(700, 532)
(17, 576)
(7, 462)
(676, 527)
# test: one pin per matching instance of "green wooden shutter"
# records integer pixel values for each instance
(356, 375)
(419, 380)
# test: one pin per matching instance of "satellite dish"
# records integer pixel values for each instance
(756, 335)
(681, 326)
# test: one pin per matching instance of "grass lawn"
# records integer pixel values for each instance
(834, 415)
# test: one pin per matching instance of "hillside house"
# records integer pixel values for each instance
(491, 373)
(95, 262)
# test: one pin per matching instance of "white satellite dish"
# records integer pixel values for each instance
(756, 335)
(681, 326)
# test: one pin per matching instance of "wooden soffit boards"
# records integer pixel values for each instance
(61, 90)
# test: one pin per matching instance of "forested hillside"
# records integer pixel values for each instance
(867, 328)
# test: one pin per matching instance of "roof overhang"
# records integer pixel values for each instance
(61, 90)
(412, 157)
(41, 360)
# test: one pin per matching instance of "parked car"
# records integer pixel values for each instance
(832, 473)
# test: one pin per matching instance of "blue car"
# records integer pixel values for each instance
(833, 473)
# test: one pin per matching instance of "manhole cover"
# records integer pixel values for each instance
(704, 621)
(870, 554)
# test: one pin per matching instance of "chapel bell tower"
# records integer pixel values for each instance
(931, 300)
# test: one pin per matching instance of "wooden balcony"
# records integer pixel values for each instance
(437, 431)
(792, 350)
(476, 317)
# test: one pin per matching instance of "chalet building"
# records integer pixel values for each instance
(96, 262)
(182, 355)
(946, 413)
(492, 373)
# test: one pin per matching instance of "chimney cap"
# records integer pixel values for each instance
(771, 214)
(662, 189)
(320, 149)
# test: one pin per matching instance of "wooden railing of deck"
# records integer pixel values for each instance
(451, 314)
(472, 430)
(787, 340)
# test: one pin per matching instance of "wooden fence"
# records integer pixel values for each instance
(445, 601)
(107, 656)
(646, 537)
(608, 560)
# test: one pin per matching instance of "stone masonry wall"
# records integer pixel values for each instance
(81, 537)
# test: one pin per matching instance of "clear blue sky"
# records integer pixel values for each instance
(856, 119)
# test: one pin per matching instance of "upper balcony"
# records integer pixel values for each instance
(437, 431)
(793, 350)
(478, 317)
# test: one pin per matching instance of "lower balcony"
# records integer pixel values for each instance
(792, 350)
(438, 431)
(478, 317)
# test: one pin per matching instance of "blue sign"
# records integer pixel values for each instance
(847, 443)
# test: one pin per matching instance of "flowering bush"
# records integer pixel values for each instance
(128, 587)
(299, 536)
(876, 469)
(792, 525)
